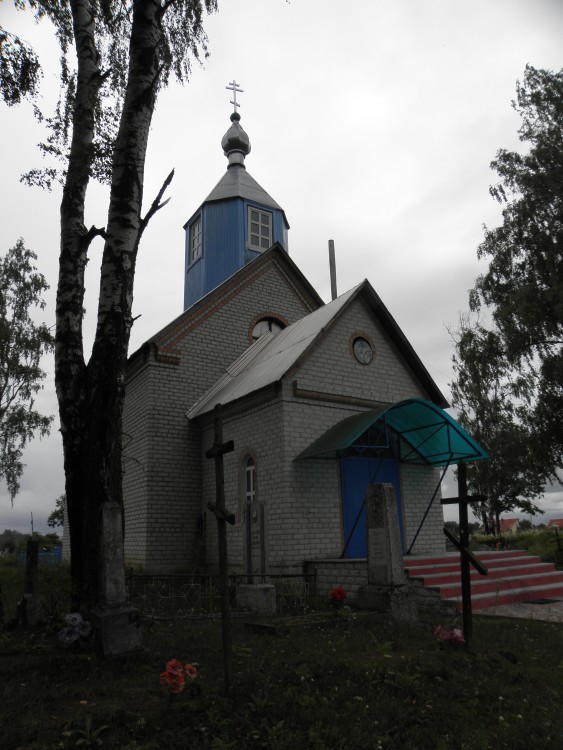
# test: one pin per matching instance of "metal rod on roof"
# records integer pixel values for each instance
(332, 265)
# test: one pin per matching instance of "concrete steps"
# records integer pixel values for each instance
(514, 576)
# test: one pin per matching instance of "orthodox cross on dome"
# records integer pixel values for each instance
(234, 87)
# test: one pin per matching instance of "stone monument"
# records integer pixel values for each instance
(387, 589)
(117, 622)
(256, 595)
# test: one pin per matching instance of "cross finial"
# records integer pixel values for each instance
(234, 87)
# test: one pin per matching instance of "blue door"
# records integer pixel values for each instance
(356, 473)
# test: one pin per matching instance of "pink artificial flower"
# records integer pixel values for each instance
(191, 672)
(174, 666)
(174, 681)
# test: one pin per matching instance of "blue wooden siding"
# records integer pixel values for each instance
(224, 245)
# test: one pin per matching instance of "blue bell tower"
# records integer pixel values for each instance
(237, 221)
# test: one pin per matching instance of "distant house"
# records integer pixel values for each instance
(555, 523)
(509, 525)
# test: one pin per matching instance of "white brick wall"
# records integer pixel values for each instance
(303, 503)
(162, 471)
(168, 481)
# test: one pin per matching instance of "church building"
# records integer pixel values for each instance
(319, 399)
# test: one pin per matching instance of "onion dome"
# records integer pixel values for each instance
(235, 142)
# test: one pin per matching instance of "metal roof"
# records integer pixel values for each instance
(269, 358)
(237, 183)
(427, 435)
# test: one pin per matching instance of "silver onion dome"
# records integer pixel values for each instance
(235, 142)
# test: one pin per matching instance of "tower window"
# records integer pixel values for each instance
(259, 229)
(195, 240)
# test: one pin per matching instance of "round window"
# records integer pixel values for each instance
(362, 350)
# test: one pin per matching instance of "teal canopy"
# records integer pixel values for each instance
(427, 436)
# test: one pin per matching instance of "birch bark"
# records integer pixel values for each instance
(91, 395)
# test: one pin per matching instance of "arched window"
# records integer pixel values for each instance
(250, 483)
(267, 325)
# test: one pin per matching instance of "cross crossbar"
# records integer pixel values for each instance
(219, 449)
(469, 499)
(477, 564)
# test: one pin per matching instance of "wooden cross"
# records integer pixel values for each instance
(462, 545)
(234, 87)
(223, 517)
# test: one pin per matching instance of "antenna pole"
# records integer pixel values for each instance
(332, 265)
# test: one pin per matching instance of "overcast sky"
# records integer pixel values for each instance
(372, 123)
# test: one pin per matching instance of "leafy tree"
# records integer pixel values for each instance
(56, 518)
(509, 387)
(125, 52)
(482, 395)
(453, 526)
(13, 540)
(19, 69)
(22, 344)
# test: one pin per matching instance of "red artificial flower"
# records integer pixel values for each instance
(191, 672)
(337, 594)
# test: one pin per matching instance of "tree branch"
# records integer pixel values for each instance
(156, 204)
(91, 234)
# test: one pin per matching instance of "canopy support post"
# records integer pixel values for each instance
(429, 506)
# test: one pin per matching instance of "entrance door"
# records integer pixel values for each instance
(356, 473)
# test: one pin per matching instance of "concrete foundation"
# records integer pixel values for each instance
(259, 598)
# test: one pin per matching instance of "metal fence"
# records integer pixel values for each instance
(45, 558)
(191, 595)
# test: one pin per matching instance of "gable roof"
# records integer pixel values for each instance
(272, 355)
(268, 359)
(166, 340)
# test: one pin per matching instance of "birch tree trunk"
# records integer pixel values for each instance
(91, 395)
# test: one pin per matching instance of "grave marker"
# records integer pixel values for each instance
(223, 517)
(118, 623)
(387, 588)
(462, 544)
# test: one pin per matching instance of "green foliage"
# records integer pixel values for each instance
(453, 526)
(12, 540)
(20, 71)
(545, 543)
(368, 684)
(57, 517)
(509, 375)
(22, 344)
(482, 395)
(52, 586)
(116, 56)
(524, 282)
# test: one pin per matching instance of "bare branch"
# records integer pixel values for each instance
(156, 204)
(91, 234)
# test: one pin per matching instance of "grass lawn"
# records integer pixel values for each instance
(322, 682)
